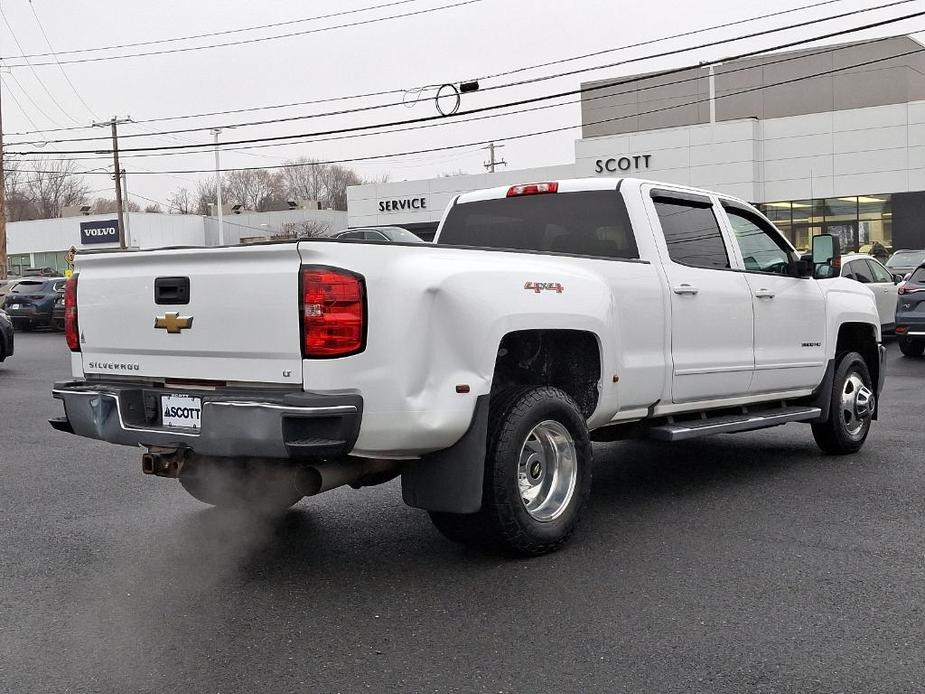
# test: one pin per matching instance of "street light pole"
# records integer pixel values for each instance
(218, 190)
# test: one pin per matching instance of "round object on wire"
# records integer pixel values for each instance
(448, 91)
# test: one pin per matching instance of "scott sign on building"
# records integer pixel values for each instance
(633, 162)
(105, 231)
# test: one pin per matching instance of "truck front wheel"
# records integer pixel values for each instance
(254, 485)
(537, 475)
(851, 408)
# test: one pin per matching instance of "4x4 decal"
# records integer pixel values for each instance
(544, 287)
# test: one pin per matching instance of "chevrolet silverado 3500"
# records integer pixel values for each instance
(479, 368)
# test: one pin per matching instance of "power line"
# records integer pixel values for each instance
(290, 22)
(367, 95)
(520, 102)
(441, 123)
(31, 100)
(35, 73)
(626, 61)
(60, 66)
(16, 101)
(241, 42)
(549, 131)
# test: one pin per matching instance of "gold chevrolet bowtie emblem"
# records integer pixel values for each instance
(173, 322)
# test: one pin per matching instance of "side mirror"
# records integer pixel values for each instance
(803, 267)
(898, 278)
(826, 256)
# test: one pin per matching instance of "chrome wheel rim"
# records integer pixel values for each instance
(547, 470)
(857, 405)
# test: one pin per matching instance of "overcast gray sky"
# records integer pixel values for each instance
(478, 39)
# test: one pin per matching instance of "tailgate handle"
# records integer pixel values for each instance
(171, 290)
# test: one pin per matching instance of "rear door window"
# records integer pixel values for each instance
(590, 223)
(861, 272)
(878, 271)
(692, 232)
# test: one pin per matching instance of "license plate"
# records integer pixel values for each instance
(15, 307)
(180, 411)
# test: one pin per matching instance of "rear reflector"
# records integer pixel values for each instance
(71, 329)
(333, 312)
(901, 329)
(533, 189)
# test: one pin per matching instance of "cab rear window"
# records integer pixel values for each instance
(589, 223)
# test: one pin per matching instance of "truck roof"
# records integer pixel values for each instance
(574, 185)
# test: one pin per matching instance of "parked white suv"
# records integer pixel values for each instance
(868, 271)
(480, 367)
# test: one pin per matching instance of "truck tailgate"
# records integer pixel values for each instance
(240, 322)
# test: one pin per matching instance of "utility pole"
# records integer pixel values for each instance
(114, 123)
(128, 211)
(3, 260)
(492, 162)
(218, 191)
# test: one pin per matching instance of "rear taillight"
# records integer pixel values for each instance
(333, 312)
(533, 189)
(71, 331)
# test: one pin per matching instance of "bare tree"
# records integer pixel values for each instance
(18, 203)
(304, 179)
(108, 206)
(262, 190)
(153, 208)
(181, 202)
(256, 189)
(337, 180)
(53, 186)
(204, 200)
(306, 229)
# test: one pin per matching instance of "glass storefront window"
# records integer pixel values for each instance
(860, 222)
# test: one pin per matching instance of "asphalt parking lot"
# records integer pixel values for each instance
(738, 563)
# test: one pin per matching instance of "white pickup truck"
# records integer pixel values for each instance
(480, 367)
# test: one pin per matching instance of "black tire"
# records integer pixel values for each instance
(911, 348)
(253, 485)
(844, 432)
(504, 522)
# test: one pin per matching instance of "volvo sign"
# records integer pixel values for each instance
(105, 231)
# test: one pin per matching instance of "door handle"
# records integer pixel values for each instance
(764, 294)
(685, 289)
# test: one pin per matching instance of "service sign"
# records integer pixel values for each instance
(105, 231)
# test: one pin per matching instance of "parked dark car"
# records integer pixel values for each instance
(905, 261)
(31, 303)
(6, 336)
(395, 234)
(910, 314)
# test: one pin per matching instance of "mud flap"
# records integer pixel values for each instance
(451, 480)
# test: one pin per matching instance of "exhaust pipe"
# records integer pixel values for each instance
(163, 463)
(324, 476)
